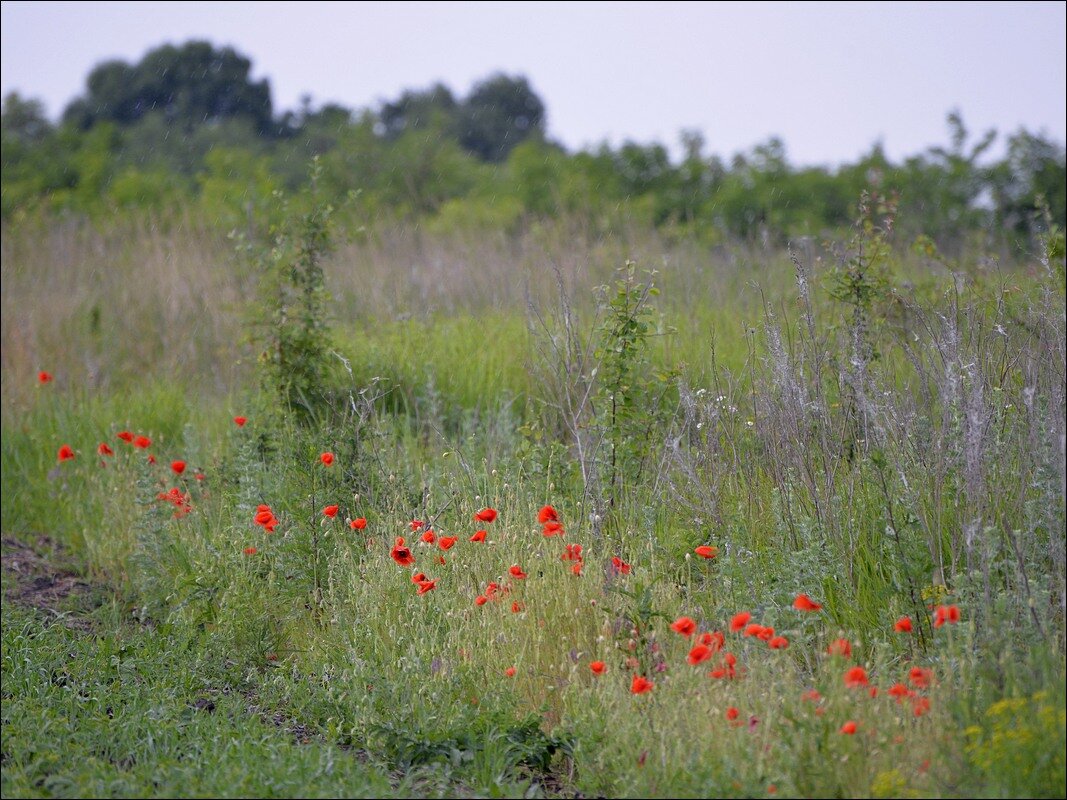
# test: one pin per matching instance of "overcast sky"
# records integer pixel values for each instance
(828, 78)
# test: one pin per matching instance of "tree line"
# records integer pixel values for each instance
(188, 126)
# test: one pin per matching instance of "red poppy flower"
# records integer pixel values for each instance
(426, 586)
(920, 705)
(481, 600)
(805, 603)
(552, 529)
(899, 691)
(479, 536)
(598, 667)
(840, 647)
(919, 677)
(902, 625)
(327, 459)
(739, 621)
(429, 536)
(732, 713)
(516, 572)
(684, 626)
(330, 511)
(492, 589)
(811, 695)
(44, 377)
(104, 450)
(766, 634)
(126, 436)
(517, 607)
(510, 672)
(486, 515)
(419, 577)
(778, 643)
(265, 518)
(547, 514)
(572, 552)
(856, 677)
(640, 685)
(699, 654)
(446, 542)
(400, 554)
(151, 459)
(949, 614)
(178, 467)
(250, 551)
(714, 640)
(620, 566)
(849, 728)
(142, 442)
(199, 476)
(707, 551)
(416, 525)
(577, 569)
(240, 421)
(66, 453)
(753, 629)
(358, 524)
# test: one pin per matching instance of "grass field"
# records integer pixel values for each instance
(874, 429)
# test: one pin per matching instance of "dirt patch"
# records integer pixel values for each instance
(40, 581)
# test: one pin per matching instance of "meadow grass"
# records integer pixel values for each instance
(884, 463)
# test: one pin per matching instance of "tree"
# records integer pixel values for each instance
(190, 85)
(499, 113)
(435, 107)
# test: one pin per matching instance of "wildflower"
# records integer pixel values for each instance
(416, 525)
(684, 626)
(418, 577)
(126, 436)
(766, 634)
(481, 600)
(401, 554)
(812, 695)
(426, 586)
(919, 677)
(598, 667)
(899, 691)
(620, 566)
(265, 518)
(199, 476)
(44, 377)
(732, 713)
(240, 421)
(552, 529)
(902, 625)
(849, 728)
(547, 514)
(66, 453)
(699, 654)
(517, 607)
(429, 536)
(707, 551)
(250, 551)
(142, 442)
(104, 450)
(715, 640)
(572, 552)
(753, 629)
(778, 643)
(479, 536)
(840, 647)
(739, 621)
(151, 459)
(516, 571)
(330, 511)
(920, 705)
(486, 515)
(805, 603)
(177, 467)
(358, 524)
(640, 685)
(949, 614)
(327, 459)
(446, 542)
(577, 569)
(510, 672)
(856, 676)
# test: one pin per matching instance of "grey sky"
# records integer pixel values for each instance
(829, 78)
